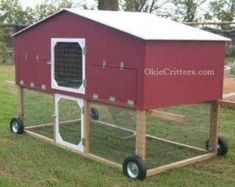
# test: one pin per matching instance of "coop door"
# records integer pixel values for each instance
(68, 64)
(69, 123)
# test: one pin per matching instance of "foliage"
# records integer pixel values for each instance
(222, 10)
(150, 6)
(233, 69)
(49, 7)
(3, 46)
(13, 13)
(186, 10)
(108, 5)
(230, 52)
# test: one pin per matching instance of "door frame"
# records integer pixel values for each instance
(58, 138)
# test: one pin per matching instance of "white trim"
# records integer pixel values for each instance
(54, 85)
(58, 138)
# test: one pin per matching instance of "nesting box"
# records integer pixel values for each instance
(133, 61)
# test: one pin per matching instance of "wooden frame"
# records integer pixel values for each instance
(20, 101)
(140, 143)
(87, 114)
(87, 155)
(179, 164)
(139, 134)
(213, 132)
(226, 103)
(167, 116)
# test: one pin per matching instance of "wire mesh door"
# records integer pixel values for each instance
(68, 64)
(69, 125)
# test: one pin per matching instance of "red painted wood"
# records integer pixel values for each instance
(174, 90)
(113, 46)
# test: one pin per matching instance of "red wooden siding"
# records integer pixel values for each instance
(175, 90)
(113, 46)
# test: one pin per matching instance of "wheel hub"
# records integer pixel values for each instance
(15, 127)
(132, 170)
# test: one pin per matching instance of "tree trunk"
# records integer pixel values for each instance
(108, 5)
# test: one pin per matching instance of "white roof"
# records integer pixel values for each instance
(145, 26)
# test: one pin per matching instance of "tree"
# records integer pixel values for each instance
(151, 6)
(3, 46)
(48, 7)
(108, 4)
(222, 10)
(186, 10)
(13, 13)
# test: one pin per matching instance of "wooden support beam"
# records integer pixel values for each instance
(141, 134)
(179, 164)
(213, 132)
(167, 116)
(21, 103)
(69, 122)
(87, 114)
(38, 136)
(90, 156)
(226, 103)
(149, 136)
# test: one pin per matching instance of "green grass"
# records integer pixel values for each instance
(25, 161)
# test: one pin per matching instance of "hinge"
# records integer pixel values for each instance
(83, 110)
(84, 82)
(83, 141)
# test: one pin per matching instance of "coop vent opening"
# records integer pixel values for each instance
(68, 65)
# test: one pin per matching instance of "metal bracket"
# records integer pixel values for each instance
(83, 110)
(95, 96)
(83, 141)
(84, 82)
(26, 57)
(104, 64)
(122, 65)
(130, 103)
(112, 99)
(37, 57)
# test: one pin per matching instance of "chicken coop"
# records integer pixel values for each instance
(131, 90)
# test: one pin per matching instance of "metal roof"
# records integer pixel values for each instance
(143, 25)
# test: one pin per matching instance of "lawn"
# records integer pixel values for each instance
(28, 162)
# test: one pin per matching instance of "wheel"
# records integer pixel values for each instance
(222, 147)
(16, 126)
(94, 114)
(134, 167)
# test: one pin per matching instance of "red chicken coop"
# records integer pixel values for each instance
(94, 77)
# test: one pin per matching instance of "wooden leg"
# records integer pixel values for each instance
(21, 103)
(213, 134)
(141, 134)
(87, 114)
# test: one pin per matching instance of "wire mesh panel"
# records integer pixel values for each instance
(38, 112)
(70, 121)
(68, 64)
(171, 141)
(112, 136)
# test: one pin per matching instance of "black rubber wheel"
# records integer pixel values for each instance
(134, 167)
(94, 114)
(222, 148)
(16, 126)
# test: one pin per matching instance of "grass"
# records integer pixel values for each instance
(28, 162)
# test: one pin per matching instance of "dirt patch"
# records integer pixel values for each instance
(229, 85)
